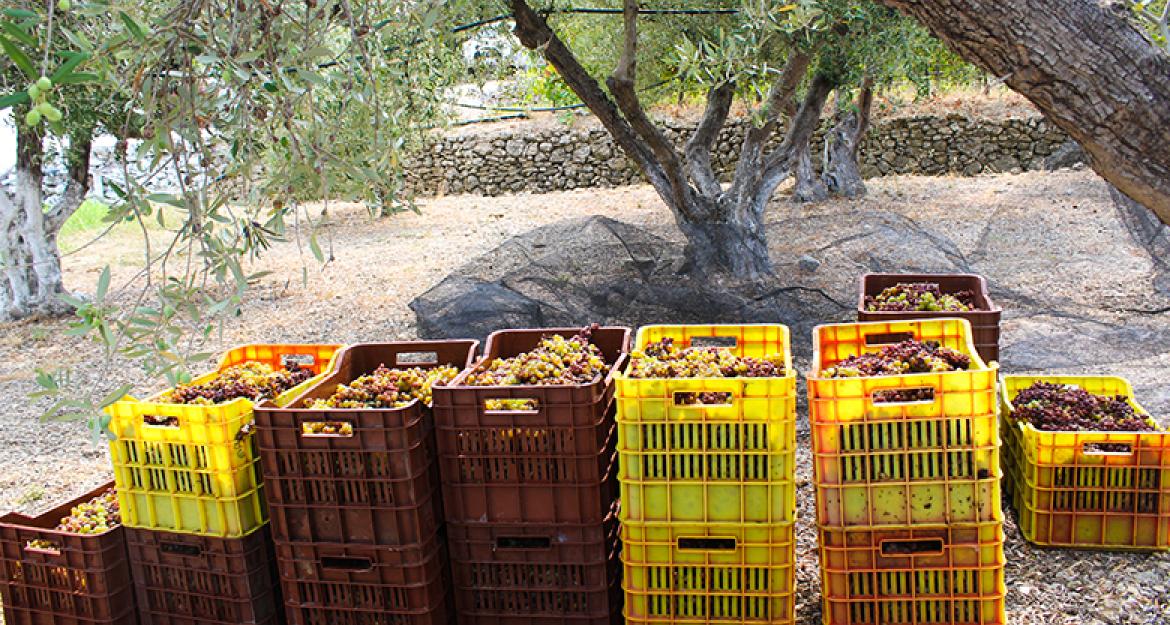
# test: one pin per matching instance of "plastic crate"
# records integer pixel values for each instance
(80, 579)
(710, 574)
(330, 584)
(201, 474)
(907, 471)
(705, 463)
(378, 485)
(969, 393)
(984, 320)
(553, 463)
(185, 579)
(532, 571)
(916, 576)
(1093, 490)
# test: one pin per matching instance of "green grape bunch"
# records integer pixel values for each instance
(384, 388)
(664, 359)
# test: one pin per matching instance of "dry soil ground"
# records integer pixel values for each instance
(379, 266)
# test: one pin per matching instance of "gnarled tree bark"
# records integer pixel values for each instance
(842, 174)
(31, 282)
(1085, 66)
(724, 227)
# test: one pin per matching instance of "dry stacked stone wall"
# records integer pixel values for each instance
(542, 159)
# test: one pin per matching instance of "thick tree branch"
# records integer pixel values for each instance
(779, 163)
(622, 86)
(534, 33)
(1085, 66)
(698, 149)
(77, 186)
(864, 108)
(781, 101)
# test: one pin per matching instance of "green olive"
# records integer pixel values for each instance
(53, 114)
(34, 91)
(32, 118)
(44, 84)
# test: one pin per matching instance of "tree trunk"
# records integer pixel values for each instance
(843, 143)
(32, 281)
(1085, 66)
(737, 247)
(808, 185)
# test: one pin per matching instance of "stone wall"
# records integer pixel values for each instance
(542, 159)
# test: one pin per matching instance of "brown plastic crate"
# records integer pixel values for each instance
(984, 320)
(531, 574)
(83, 579)
(528, 475)
(187, 579)
(331, 584)
(378, 486)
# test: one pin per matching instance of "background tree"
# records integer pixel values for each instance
(55, 124)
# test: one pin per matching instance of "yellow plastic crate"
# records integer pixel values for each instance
(969, 393)
(1092, 490)
(201, 474)
(676, 573)
(709, 463)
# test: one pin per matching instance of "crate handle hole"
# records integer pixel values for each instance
(903, 396)
(43, 546)
(918, 547)
(345, 563)
(327, 429)
(1107, 449)
(707, 544)
(300, 360)
(511, 406)
(887, 338)
(723, 342)
(523, 542)
(180, 549)
(416, 358)
(156, 421)
(684, 398)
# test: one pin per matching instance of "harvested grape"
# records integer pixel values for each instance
(510, 404)
(919, 296)
(388, 388)
(555, 360)
(94, 516)
(909, 356)
(664, 359)
(333, 428)
(1065, 408)
(252, 380)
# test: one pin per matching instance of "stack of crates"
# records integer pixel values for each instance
(707, 489)
(530, 489)
(1087, 490)
(906, 470)
(354, 497)
(192, 502)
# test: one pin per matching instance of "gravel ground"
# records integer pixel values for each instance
(379, 266)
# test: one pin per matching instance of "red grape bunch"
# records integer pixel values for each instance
(1064, 408)
(919, 296)
(388, 388)
(252, 380)
(909, 356)
(555, 360)
(663, 359)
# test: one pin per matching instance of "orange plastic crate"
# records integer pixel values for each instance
(969, 393)
(892, 463)
(1070, 491)
(913, 575)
